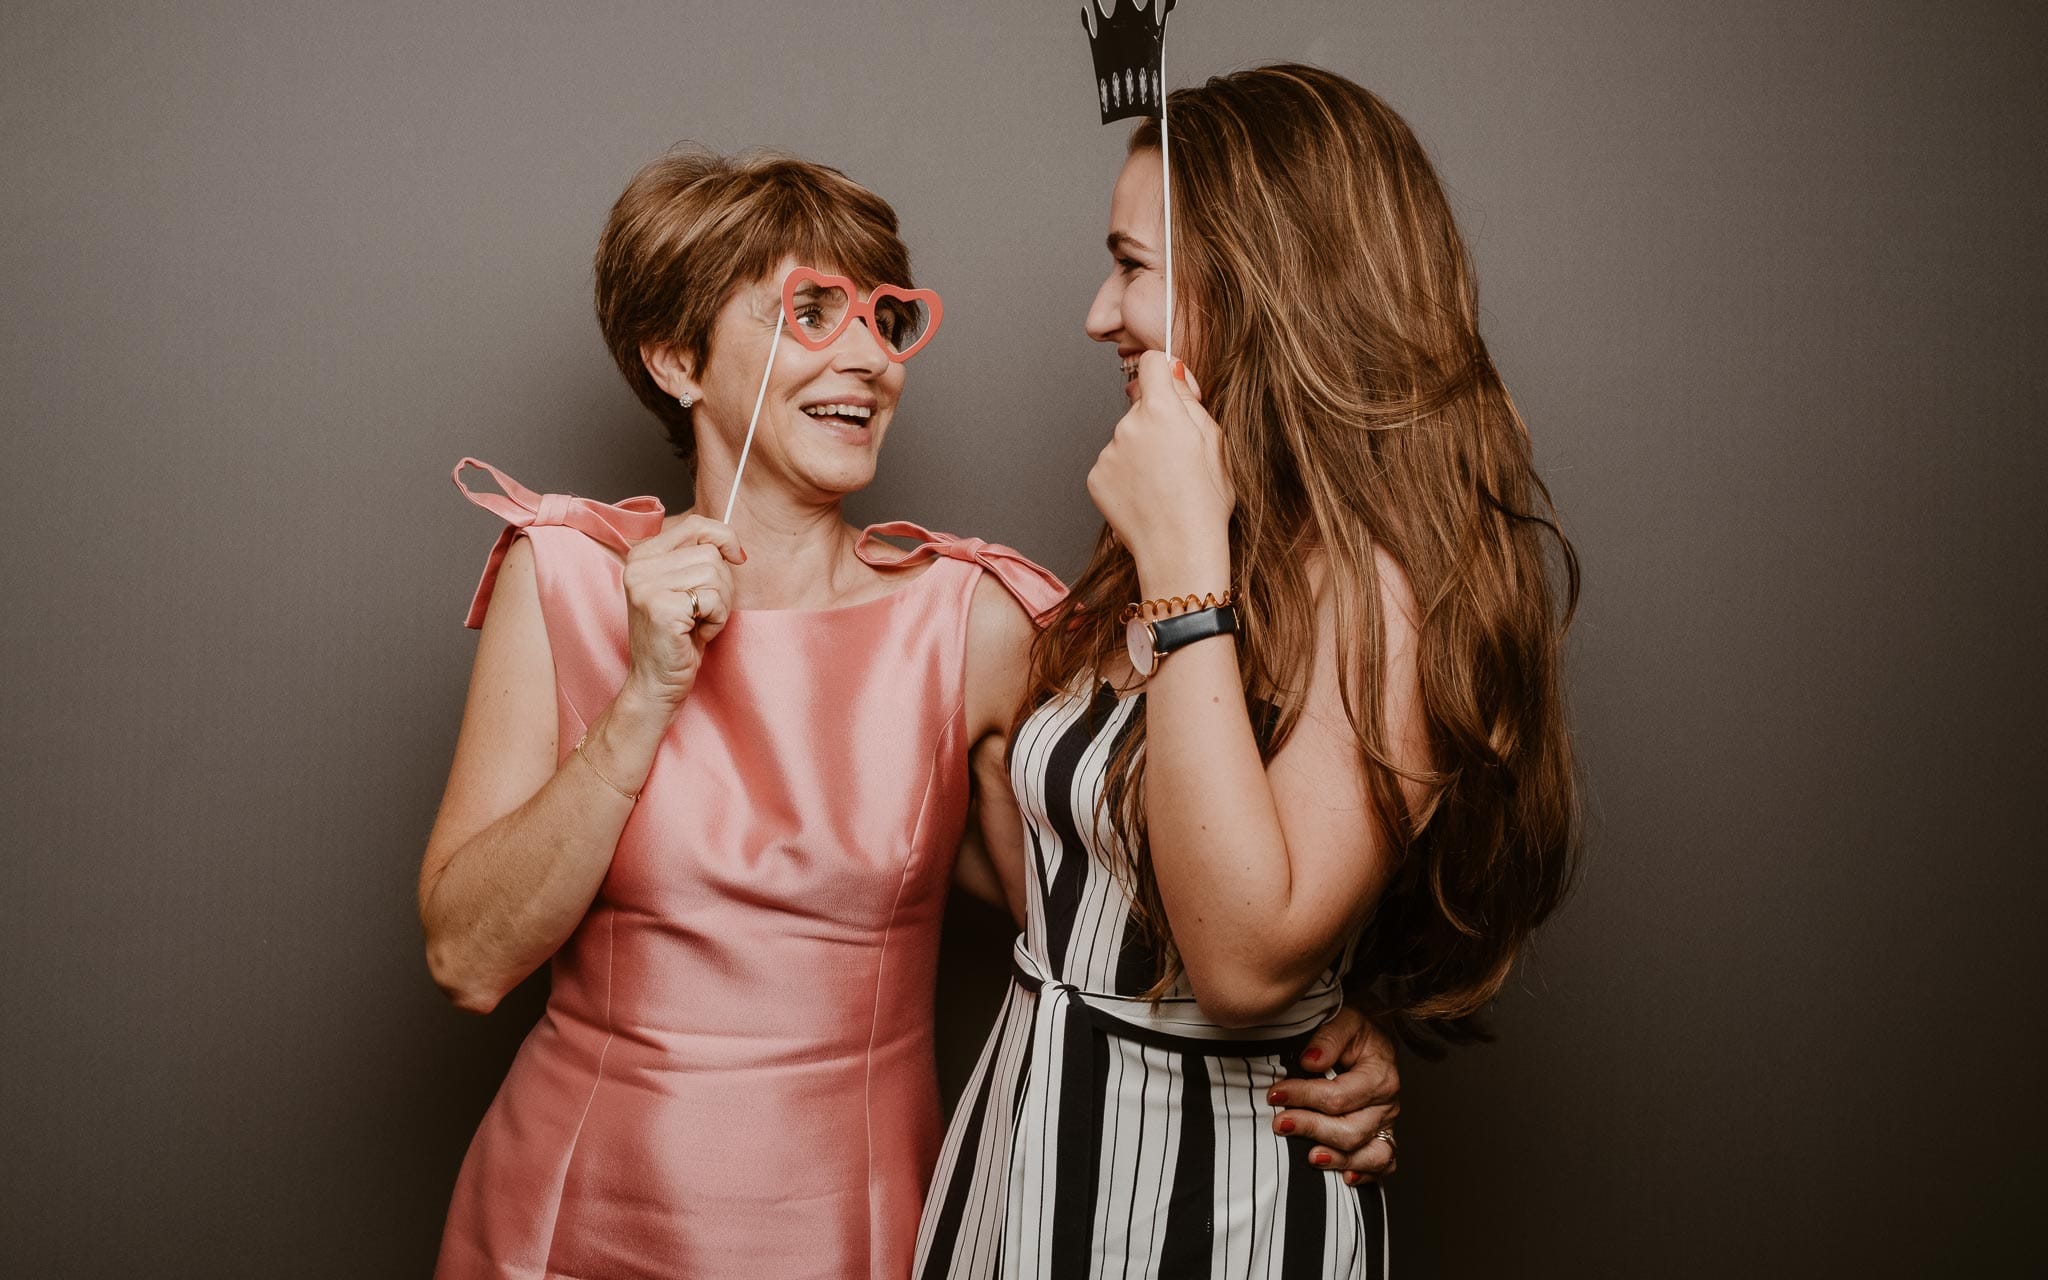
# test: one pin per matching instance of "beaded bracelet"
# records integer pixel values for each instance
(1176, 604)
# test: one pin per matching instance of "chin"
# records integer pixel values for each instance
(841, 476)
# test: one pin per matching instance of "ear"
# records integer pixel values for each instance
(670, 369)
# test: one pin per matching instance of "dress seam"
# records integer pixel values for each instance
(948, 733)
(610, 968)
(596, 1082)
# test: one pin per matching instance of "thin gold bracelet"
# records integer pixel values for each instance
(1176, 604)
(577, 751)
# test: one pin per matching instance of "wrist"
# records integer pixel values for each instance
(643, 699)
(637, 718)
(620, 745)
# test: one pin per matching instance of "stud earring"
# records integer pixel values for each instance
(686, 399)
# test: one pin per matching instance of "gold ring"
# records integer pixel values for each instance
(1387, 1136)
(696, 610)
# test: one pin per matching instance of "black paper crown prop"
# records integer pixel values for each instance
(1125, 37)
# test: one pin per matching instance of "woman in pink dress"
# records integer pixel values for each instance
(717, 774)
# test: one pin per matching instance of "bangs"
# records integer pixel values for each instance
(845, 231)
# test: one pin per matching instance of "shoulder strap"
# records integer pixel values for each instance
(1036, 588)
(615, 525)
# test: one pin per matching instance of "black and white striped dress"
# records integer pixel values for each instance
(1102, 1135)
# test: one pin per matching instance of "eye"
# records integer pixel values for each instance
(1129, 266)
(810, 315)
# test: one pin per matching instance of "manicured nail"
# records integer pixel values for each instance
(1285, 1124)
(1350, 1178)
(1277, 1098)
(1319, 1157)
(1312, 1057)
(1180, 371)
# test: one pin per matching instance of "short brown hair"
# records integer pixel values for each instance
(693, 226)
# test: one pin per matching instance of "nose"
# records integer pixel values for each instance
(858, 350)
(1106, 314)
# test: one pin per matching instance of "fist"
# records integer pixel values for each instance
(678, 597)
(1345, 1114)
(1160, 481)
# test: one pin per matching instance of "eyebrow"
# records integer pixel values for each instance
(1122, 243)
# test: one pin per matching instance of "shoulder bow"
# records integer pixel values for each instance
(1035, 587)
(614, 525)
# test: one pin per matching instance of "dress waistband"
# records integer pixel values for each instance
(1176, 1022)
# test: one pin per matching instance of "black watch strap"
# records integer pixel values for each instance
(1183, 629)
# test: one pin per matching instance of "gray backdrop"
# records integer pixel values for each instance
(1767, 280)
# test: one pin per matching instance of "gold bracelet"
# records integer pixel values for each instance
(1176, 604)
(577, 751)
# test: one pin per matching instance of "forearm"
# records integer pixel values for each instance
(510, 895)
(1217, 847)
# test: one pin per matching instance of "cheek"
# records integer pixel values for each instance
(796, 367)
(889, 387)
(1144, 306)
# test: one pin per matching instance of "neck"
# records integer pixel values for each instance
(799, 548)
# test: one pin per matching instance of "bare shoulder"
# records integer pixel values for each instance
(515, 596)
(996, 618)
(1400, 613)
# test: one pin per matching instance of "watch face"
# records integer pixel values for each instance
(1138, 642)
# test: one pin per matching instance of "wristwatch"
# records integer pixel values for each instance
(1148, 642)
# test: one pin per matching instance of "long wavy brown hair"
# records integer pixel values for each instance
(1335, 327)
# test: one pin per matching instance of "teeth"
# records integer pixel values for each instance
(1130, 369)
(861, 412)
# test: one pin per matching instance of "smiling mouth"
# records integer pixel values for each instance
(852, 417)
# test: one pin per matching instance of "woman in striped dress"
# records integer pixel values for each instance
(1326, 747)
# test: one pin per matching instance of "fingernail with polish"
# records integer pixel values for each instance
(1319, 1157)
(1285, 1124)
(1277, 1098)
(1180, 371)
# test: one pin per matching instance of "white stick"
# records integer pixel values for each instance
(1166, 187)
(752, 422)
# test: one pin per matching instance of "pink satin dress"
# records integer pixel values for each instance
(734, 1075)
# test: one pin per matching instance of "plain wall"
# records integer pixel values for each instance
(1766, 279)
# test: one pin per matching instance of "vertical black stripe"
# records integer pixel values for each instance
(1137, 959)
(1077, 1156)
(1373, 1209)
(1063, 894)
(946, 1231)
(1302, 1256)
(1189, 1222)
